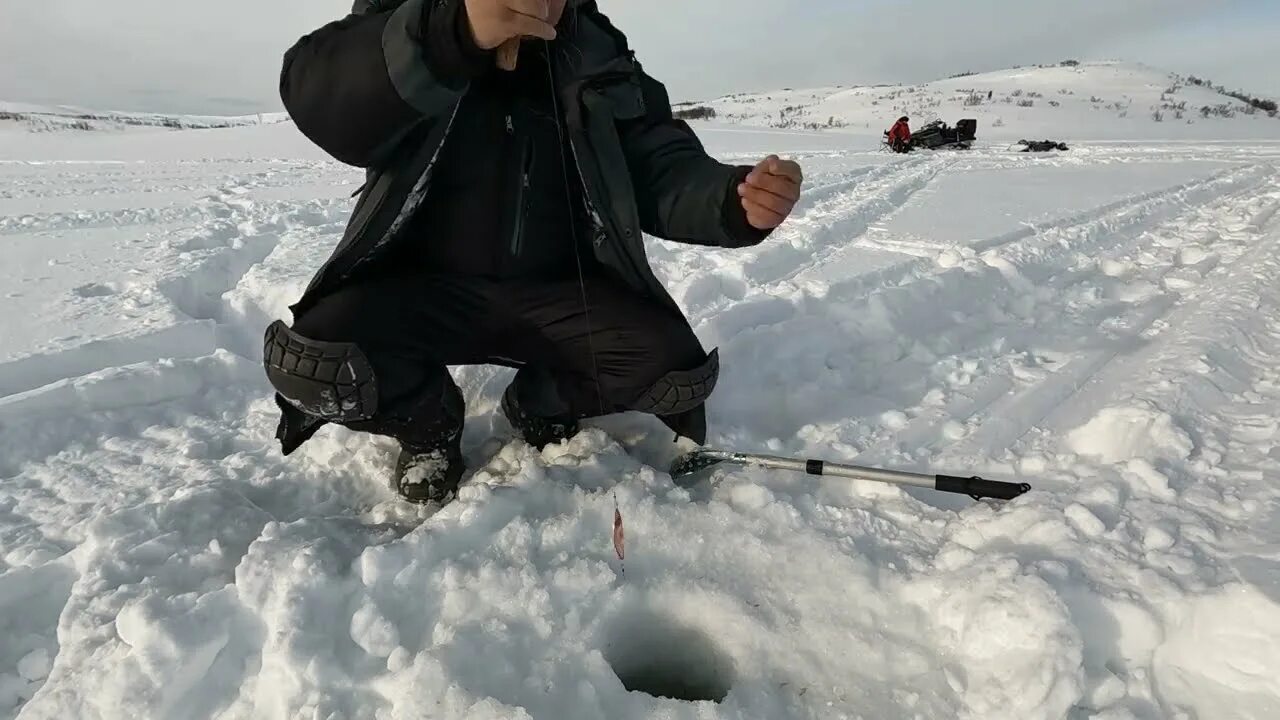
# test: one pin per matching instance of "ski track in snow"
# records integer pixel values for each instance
(1117, 347)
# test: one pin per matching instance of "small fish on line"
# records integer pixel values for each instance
(619, 543)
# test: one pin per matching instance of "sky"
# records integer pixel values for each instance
(223, 57)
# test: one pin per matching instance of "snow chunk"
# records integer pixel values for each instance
(1224, 654)
(747, 496)
(34, 665)
(1194, 255)
(1108, 692)
(1015, 652)
(1156, 538)
(1135, 291)
(1131, 432)
(950, 258)
(894, 419)
(953, 430)
(1084, 520)
(1143, 476)
(426, 467)
(373, 632)
(13, 689)
(1115, 268)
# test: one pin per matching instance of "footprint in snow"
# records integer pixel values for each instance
(92, 290)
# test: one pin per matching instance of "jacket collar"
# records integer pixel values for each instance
(361, 7)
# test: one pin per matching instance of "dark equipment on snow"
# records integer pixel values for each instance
(1042, 145)
(938, 134)
(686, 467)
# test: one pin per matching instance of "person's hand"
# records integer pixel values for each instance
(494, 22)
(770, 192)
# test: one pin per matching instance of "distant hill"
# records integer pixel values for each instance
(1095, 100)
(45, 118)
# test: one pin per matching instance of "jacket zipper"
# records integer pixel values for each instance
(522, 187)
(604, 225)
(587, 187)
(407, 206)
(517, 233)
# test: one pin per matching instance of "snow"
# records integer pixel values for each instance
(63, 118)
(1101, 324)
(424, 467)
(1094, 101)
(1131, 432)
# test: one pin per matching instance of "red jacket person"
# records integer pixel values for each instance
(900, 135)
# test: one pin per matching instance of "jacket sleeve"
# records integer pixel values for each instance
(683, 193)
(357, 86)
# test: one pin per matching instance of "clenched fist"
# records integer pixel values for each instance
(493, 22)
(770, 192)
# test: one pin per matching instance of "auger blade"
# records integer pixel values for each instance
(687, 469)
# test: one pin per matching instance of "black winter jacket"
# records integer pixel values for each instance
(504, 200)
(368, 90)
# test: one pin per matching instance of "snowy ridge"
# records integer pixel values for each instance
(1103, 324)
(40, 118)
(1089, 101)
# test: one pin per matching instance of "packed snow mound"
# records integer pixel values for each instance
(1099, 100)
(56, 118)
(1130, 432)
(1221, 653)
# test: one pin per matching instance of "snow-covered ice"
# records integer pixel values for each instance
(1103, 324)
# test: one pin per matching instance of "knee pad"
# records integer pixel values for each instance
(681, 391)
(329, 380)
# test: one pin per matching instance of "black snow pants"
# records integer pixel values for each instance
(410, 328)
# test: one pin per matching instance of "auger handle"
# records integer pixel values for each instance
(978, 488)
(975, 487)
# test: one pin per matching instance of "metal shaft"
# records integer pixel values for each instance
(975, 487)
(818, 467)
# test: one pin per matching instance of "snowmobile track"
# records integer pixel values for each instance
(1006, 418)
(861, 201)
(1203, 324)
(236, 236)
(1001, 410)
(1135, 211)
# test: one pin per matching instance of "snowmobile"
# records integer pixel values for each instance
(938, 135)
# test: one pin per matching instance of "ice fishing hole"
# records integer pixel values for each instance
(655, 654)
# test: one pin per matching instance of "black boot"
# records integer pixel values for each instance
(537, 431)
(430, 474)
